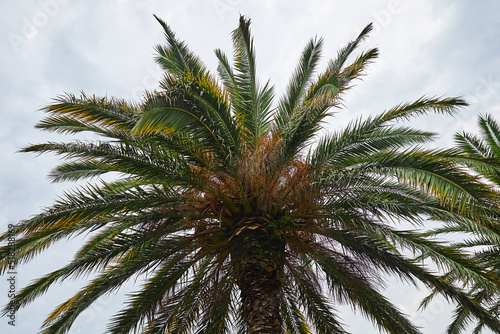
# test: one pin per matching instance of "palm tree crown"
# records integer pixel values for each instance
(241, 219)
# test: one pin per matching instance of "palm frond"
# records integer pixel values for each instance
(176, 58)
(250, 102)
(299, 82)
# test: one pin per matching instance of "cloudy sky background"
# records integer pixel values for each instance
(445, 48)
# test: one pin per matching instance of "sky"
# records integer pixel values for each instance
(106, 48)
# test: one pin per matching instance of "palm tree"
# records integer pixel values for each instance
(482, 155)
(237, 218)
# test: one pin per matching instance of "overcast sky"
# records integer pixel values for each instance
(434, 48)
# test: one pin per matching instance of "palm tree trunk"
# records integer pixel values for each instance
(258, 257)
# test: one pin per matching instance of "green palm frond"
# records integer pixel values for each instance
(368, 136)
(61, 319)
(298, 125)
(306, 289)
(422, 106)
(344, 53)
(197, 109)
(176, 58)
(112, 244)
(472, 145)
(250, 102)
(491, 133)
(70, 114)
(360, 139)
(349, 283)
(88, 209)
(145, 302)
(481, 154)
(483, 151)
(299, 82)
